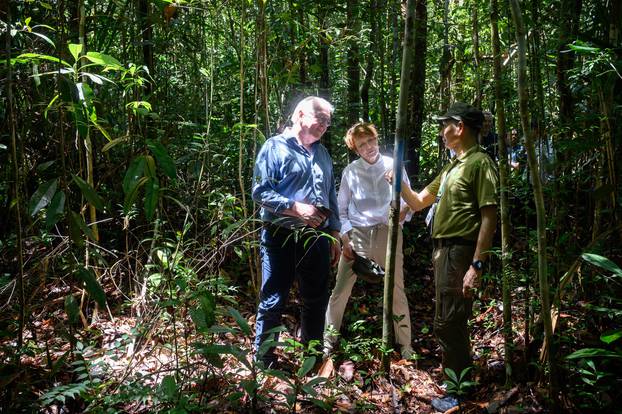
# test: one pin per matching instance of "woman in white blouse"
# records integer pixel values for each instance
(364, 199)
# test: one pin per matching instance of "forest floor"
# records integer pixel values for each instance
(159, 361)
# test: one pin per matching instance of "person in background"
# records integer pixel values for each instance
(294, 185)
(364, 202)
(463, 225)
(488, 139)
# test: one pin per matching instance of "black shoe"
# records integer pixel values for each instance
(446, 403)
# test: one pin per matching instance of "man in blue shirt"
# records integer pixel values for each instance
(294, 185)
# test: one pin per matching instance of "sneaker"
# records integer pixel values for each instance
(446, 403)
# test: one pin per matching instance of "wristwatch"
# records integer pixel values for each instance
(477, 265)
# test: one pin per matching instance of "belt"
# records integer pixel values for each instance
(452, 241)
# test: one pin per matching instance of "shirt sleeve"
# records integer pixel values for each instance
(344, 198)
(487, 183)
(435, 185)
(265, 179)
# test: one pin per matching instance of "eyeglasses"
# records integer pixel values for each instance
(322, 119)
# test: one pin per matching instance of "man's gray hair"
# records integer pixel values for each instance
(311, 104)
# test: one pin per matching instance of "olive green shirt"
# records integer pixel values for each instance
(464, 186)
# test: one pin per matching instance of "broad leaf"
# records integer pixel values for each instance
(134, 173)
(42, 196)
(29, 57)
(602, 262)
(307, 365)
(75, 50)
(56, 210)
(92, 286)
(240, 320)
(164, 160)
(594, 352)
(78, 221)
(152, 192)
(102, 59)
(72, 309)
(114, 142)
(169, 387)
(130, 197)
(611, 336)
(89, 193)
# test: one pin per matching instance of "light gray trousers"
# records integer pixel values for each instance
(370, 242)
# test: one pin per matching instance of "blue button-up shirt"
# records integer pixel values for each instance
(285, 172)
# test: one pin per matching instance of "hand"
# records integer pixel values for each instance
(346, 249)
(470, 282)
(312, 216)
(388, 175)
(403, 212)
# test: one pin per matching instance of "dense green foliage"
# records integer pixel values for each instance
(128, 134)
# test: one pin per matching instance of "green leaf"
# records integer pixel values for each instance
(133, 174)
(130, 197)
(240, 320)
(594, 352)
(89, 193)
(72, 309)
(152, 194)
(114, 142)
(56, 210)
(164, 160)
(582, 49)
(92, 286)
(102, 59)
(75, 50)
(150, 168)
(169, 387)
(42, 196)
(451, 374)
(611, 336)
(602, 262)
(79, 224)
(29, 57)
(44, 37)
(307, 365)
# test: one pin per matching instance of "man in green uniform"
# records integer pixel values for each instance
(463, 219)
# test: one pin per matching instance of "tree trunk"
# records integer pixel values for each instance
(475, 36)
(324, 89)
(538, 197)
(417, 105)
(371, 51)
(19, 277)
(354, 77)
(508, 345)
(398, 154)
(146, 28)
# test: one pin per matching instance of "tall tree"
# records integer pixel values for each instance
(417, 104)
(353, 58)
(537, 193)
(503, 184)
(398, 155)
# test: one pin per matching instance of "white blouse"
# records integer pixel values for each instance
(364, 195)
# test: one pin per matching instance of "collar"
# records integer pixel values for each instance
(365, 165)
(475, 148)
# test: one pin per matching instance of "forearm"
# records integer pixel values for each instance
(486, 232)
(417, 201)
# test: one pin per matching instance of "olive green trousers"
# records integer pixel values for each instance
(453, 309)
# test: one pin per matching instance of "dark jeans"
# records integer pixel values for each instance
(287, 256)
(453, 310)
